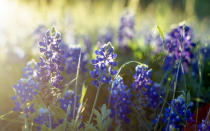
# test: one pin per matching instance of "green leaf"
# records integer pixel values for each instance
(102, 118)
(84, 89)
(162, 36)
(74, 125)
(161, 32)
(188, 97)
(90, 127)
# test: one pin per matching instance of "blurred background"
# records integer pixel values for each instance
(22, 22)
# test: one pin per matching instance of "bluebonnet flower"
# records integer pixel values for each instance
(142, 78)
(178, 45)
(106, 35)
(153, 96)
(204, 126)
(177, 114)
(44, 118)
(26, 90)
(68, 100)
(103, 65)
(120, 100)
(72, 59)
(52, 62)
(126, 29)
(148, 94)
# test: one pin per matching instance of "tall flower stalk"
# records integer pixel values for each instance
(26, 90)
(51, 63)
(103, 71)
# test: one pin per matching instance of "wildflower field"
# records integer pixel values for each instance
(103, 65)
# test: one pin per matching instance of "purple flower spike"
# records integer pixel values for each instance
(176, 114)
(26, 89)
(178, 45)
(126, 29)
(120, 100)
(52, 60)
(103, 65)
(72, 59)
(142, 78)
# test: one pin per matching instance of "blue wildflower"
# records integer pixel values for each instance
(68, 100)
(126, 29)
(52, 62)
(176, 114)
(148, 94)
(153, 96)
(72, 59)
(142, 78)
(178, 45)
(120, 100)
(204, 126)
(26, 90)
(103, 65)
(45, 118)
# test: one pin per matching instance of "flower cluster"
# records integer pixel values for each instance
(44, 118)
(67, 101)
(52, 63)
(120, 99)
(204, 126)
(142, 79)
(178, 45)
(153, 96)
(148, 94)
(72, 59)
(26, 89)
(177, 113)
(126, 29)
(103, 65)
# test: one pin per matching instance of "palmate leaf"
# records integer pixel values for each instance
(90, 127)
(74, 125)
(102, 118)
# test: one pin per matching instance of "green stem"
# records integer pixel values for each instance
(76, 84)
(167, 92)
(185, 91)
(26, 124)
(66, 117)
(198, 93)
(175, 84)
(94, 104)
(2, 116)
